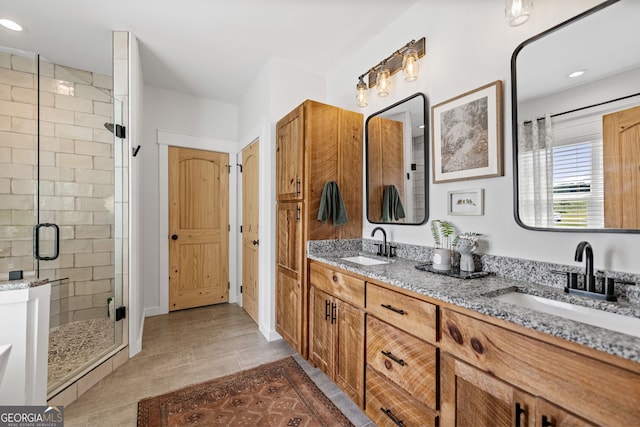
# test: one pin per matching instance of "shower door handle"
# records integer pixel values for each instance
(36, 241)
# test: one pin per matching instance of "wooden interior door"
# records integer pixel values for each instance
(250, 242)
(621, 162)
(198, 228)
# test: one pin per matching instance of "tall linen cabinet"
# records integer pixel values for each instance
(315, 144)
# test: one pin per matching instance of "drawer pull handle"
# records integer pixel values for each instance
(393, 418)
(333, 313)
(519, 411)
(394, 358)
(396, 310)
(326, 309)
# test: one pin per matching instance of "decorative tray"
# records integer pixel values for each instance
(454, 272)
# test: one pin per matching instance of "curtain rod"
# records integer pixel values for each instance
(585, 107)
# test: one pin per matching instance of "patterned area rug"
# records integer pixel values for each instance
(275, 394)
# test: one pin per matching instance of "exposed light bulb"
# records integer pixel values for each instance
(410, 64)
(517, 11)
(383, 82)
(361, 95)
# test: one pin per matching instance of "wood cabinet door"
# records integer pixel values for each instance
(288, 306)
(322, 315)
(290, 156)
(289, 251)
(349, 369)
(471, 397)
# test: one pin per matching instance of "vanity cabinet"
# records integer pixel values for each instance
(471, 397)
(315, 144)
(402, 359)
(488, 368)
(336, 329)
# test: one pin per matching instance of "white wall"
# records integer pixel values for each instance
(469, 45)
(181, 114)
(279, 87)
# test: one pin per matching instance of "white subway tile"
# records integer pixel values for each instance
(74, 218)
(5, 60)
(94, 176)
(57, 174)
(91, 120)
(91, 92)
(57, 145)
(17, 78)
(5, 92)
(76, 161)
(92, 231)
(55, 86)
(73, 189)
(92, 259)
(23, 186)
(5, 123)
(57, 203)
(24, 95)
(25, 64)
(17, 109)
(103, 163)
(73, 132)
(94, 148)
(72, 74)
(65, 102)
(27, 126)
(57, 115)
(24, 157)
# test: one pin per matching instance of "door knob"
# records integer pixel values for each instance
(174, 237)
(256, 242)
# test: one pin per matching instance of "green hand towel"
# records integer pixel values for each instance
(391, 204)
(332, 205)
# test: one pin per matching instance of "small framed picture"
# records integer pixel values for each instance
(467, 135)
(466, 202)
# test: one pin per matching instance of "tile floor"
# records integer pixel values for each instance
(188, 347)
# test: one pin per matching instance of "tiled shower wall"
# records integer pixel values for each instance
(76, 180)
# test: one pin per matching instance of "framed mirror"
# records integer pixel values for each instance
(396, 163)
(576, 123)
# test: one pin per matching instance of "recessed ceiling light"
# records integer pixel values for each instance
(12, 25)
(576, 73)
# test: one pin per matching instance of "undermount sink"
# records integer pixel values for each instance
(363, 260)
(591, 316)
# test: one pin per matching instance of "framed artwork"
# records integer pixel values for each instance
(467, 135)
(465, 202)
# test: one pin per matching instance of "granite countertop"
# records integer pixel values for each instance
(477, 294)
(12, 285)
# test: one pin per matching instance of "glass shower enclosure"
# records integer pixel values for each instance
(63, 203)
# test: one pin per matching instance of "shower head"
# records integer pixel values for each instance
(109, 126)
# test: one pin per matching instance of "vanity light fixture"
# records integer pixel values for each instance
(12, 25)
(517, 11)
(406, 59)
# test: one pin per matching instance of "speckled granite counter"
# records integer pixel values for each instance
(12, 285)
(476, 294)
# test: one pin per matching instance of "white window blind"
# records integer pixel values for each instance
(575, 171)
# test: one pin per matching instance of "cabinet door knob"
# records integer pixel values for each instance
(255, 242)
(174, 237)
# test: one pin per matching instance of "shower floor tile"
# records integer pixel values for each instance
(74, 345)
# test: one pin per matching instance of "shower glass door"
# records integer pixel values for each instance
(62, 216)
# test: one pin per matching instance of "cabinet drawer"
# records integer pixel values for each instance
(403, 359)
(409, 314)
(341, 285)
(388, 405)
